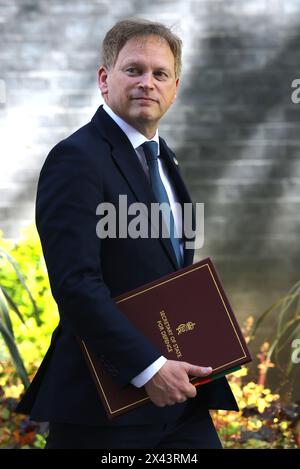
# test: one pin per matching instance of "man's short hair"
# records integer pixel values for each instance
(116, 38)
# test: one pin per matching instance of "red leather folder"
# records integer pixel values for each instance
(188, 317)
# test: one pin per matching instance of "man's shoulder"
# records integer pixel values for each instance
(85, 144)
(86, 139)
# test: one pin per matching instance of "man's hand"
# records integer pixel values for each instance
(171, 385)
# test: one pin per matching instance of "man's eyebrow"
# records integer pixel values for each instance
(140, 64)
(132, 63)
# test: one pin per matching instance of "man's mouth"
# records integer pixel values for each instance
(145, 98)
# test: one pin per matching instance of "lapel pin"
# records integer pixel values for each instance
(175, 161)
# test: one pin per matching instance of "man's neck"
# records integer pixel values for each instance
(148, 131)
(134, 135)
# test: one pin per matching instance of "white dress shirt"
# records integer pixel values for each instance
(137, 139)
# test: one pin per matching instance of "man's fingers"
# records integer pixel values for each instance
(171, 384)
(191, 392)
(199, 371)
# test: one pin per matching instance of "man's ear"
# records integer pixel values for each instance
(175, 95)
(102, 79)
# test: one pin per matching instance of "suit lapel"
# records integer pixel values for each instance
(124, 156)
(127, 161)
(183, 195)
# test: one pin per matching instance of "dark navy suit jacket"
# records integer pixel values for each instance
(96, 164)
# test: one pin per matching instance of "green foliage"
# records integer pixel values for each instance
(25, 286)
(28, 316)
(39, 442)
(263, 420)
(6, 329)
(285, 313)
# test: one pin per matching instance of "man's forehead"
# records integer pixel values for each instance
(130, 51)
(142, 41)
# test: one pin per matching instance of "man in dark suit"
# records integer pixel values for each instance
(118, 153)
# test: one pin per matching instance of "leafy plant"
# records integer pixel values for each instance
(263, 420)
(7, 306)
(286, 312)
(28, 313)
(6, 329)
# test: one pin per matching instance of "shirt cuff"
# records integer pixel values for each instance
(148, 373)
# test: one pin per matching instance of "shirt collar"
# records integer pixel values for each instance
(134, 136)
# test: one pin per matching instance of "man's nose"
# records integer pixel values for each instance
(146, 80)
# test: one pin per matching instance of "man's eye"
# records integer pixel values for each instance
(161, 74)
(131, 70)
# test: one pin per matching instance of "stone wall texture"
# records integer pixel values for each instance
(234, 127)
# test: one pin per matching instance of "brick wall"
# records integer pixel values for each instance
(234, 127)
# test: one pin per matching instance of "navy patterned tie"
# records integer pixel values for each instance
(150, 149)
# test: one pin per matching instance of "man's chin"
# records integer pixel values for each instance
(145, 115)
